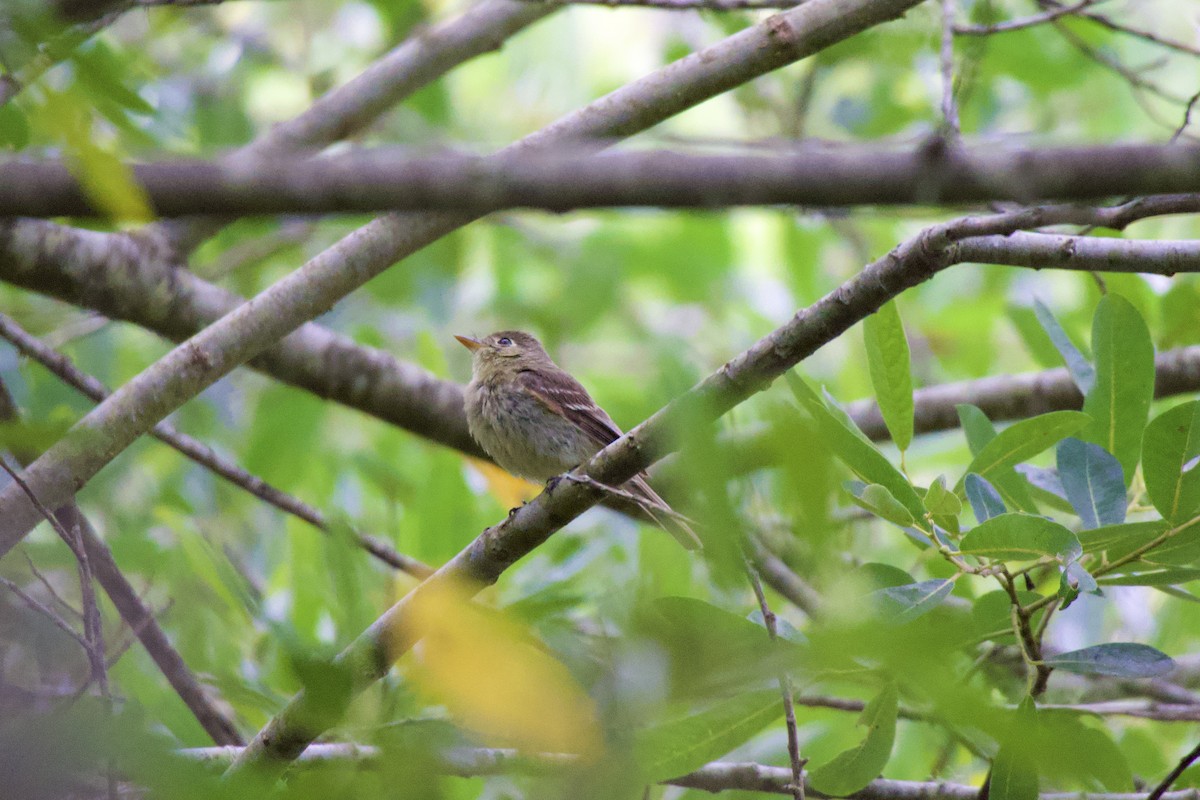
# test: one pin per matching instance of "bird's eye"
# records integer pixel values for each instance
(504, 341)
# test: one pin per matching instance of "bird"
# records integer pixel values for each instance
(538, 422)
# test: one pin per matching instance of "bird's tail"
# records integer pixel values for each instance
(663, 515)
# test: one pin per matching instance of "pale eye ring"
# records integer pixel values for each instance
(504, 341)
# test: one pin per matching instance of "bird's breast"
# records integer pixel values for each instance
(522, 435)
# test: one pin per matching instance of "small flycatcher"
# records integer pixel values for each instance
(538, 422)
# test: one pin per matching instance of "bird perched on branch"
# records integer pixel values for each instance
(538, 422)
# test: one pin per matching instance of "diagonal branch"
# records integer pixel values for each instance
(314, 288)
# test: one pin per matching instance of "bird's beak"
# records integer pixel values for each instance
(469, 343)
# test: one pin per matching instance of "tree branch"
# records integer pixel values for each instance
(564, 179)
(1185, 762)
(1006, 397)
(1041, 250)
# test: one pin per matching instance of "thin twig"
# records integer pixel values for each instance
(1031, 648)
(1138, 33)
(135, 633)
(785, 686)
(949, 108)
(1023, 22)
(93, 631)
(93, 625)
(1174, 774)
(1112, 63)
(780, 577)
(50, 587)
(45, 610)
(1187, 117)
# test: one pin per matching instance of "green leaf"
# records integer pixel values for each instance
(14, 128)
(984, 499)
(108, 182)
(1121, 539)
(888, 362)
(992, 612)
(940, 500)
(1118, 659)
(678, 747)
(1073, 751)
(849, 444)
(1022, 441)
(1034, 336)
(31, 437)
(883, 576)
(1093, 481)
(901, 604)
(688, 615)
(979, 431)
(1081, 370)
(328, 684)
(1152, 576)
(1046, 485)
(1119, 403)
(710, 651)
(1178, 593)
(853, 769)
(1014, 774)
(1073, 580)
(1183, 547)
(1169, 458)
(1020, 537)
(879, 501)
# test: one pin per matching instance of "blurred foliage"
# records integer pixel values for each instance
(608, 640)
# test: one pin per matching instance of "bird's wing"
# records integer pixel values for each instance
(563, 395)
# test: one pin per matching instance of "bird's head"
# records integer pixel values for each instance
(508, 350)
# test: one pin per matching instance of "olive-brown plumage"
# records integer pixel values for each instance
(538, 422)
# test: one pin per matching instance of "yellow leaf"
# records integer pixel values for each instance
(495, 677)
(508, 489)
(109, 183)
